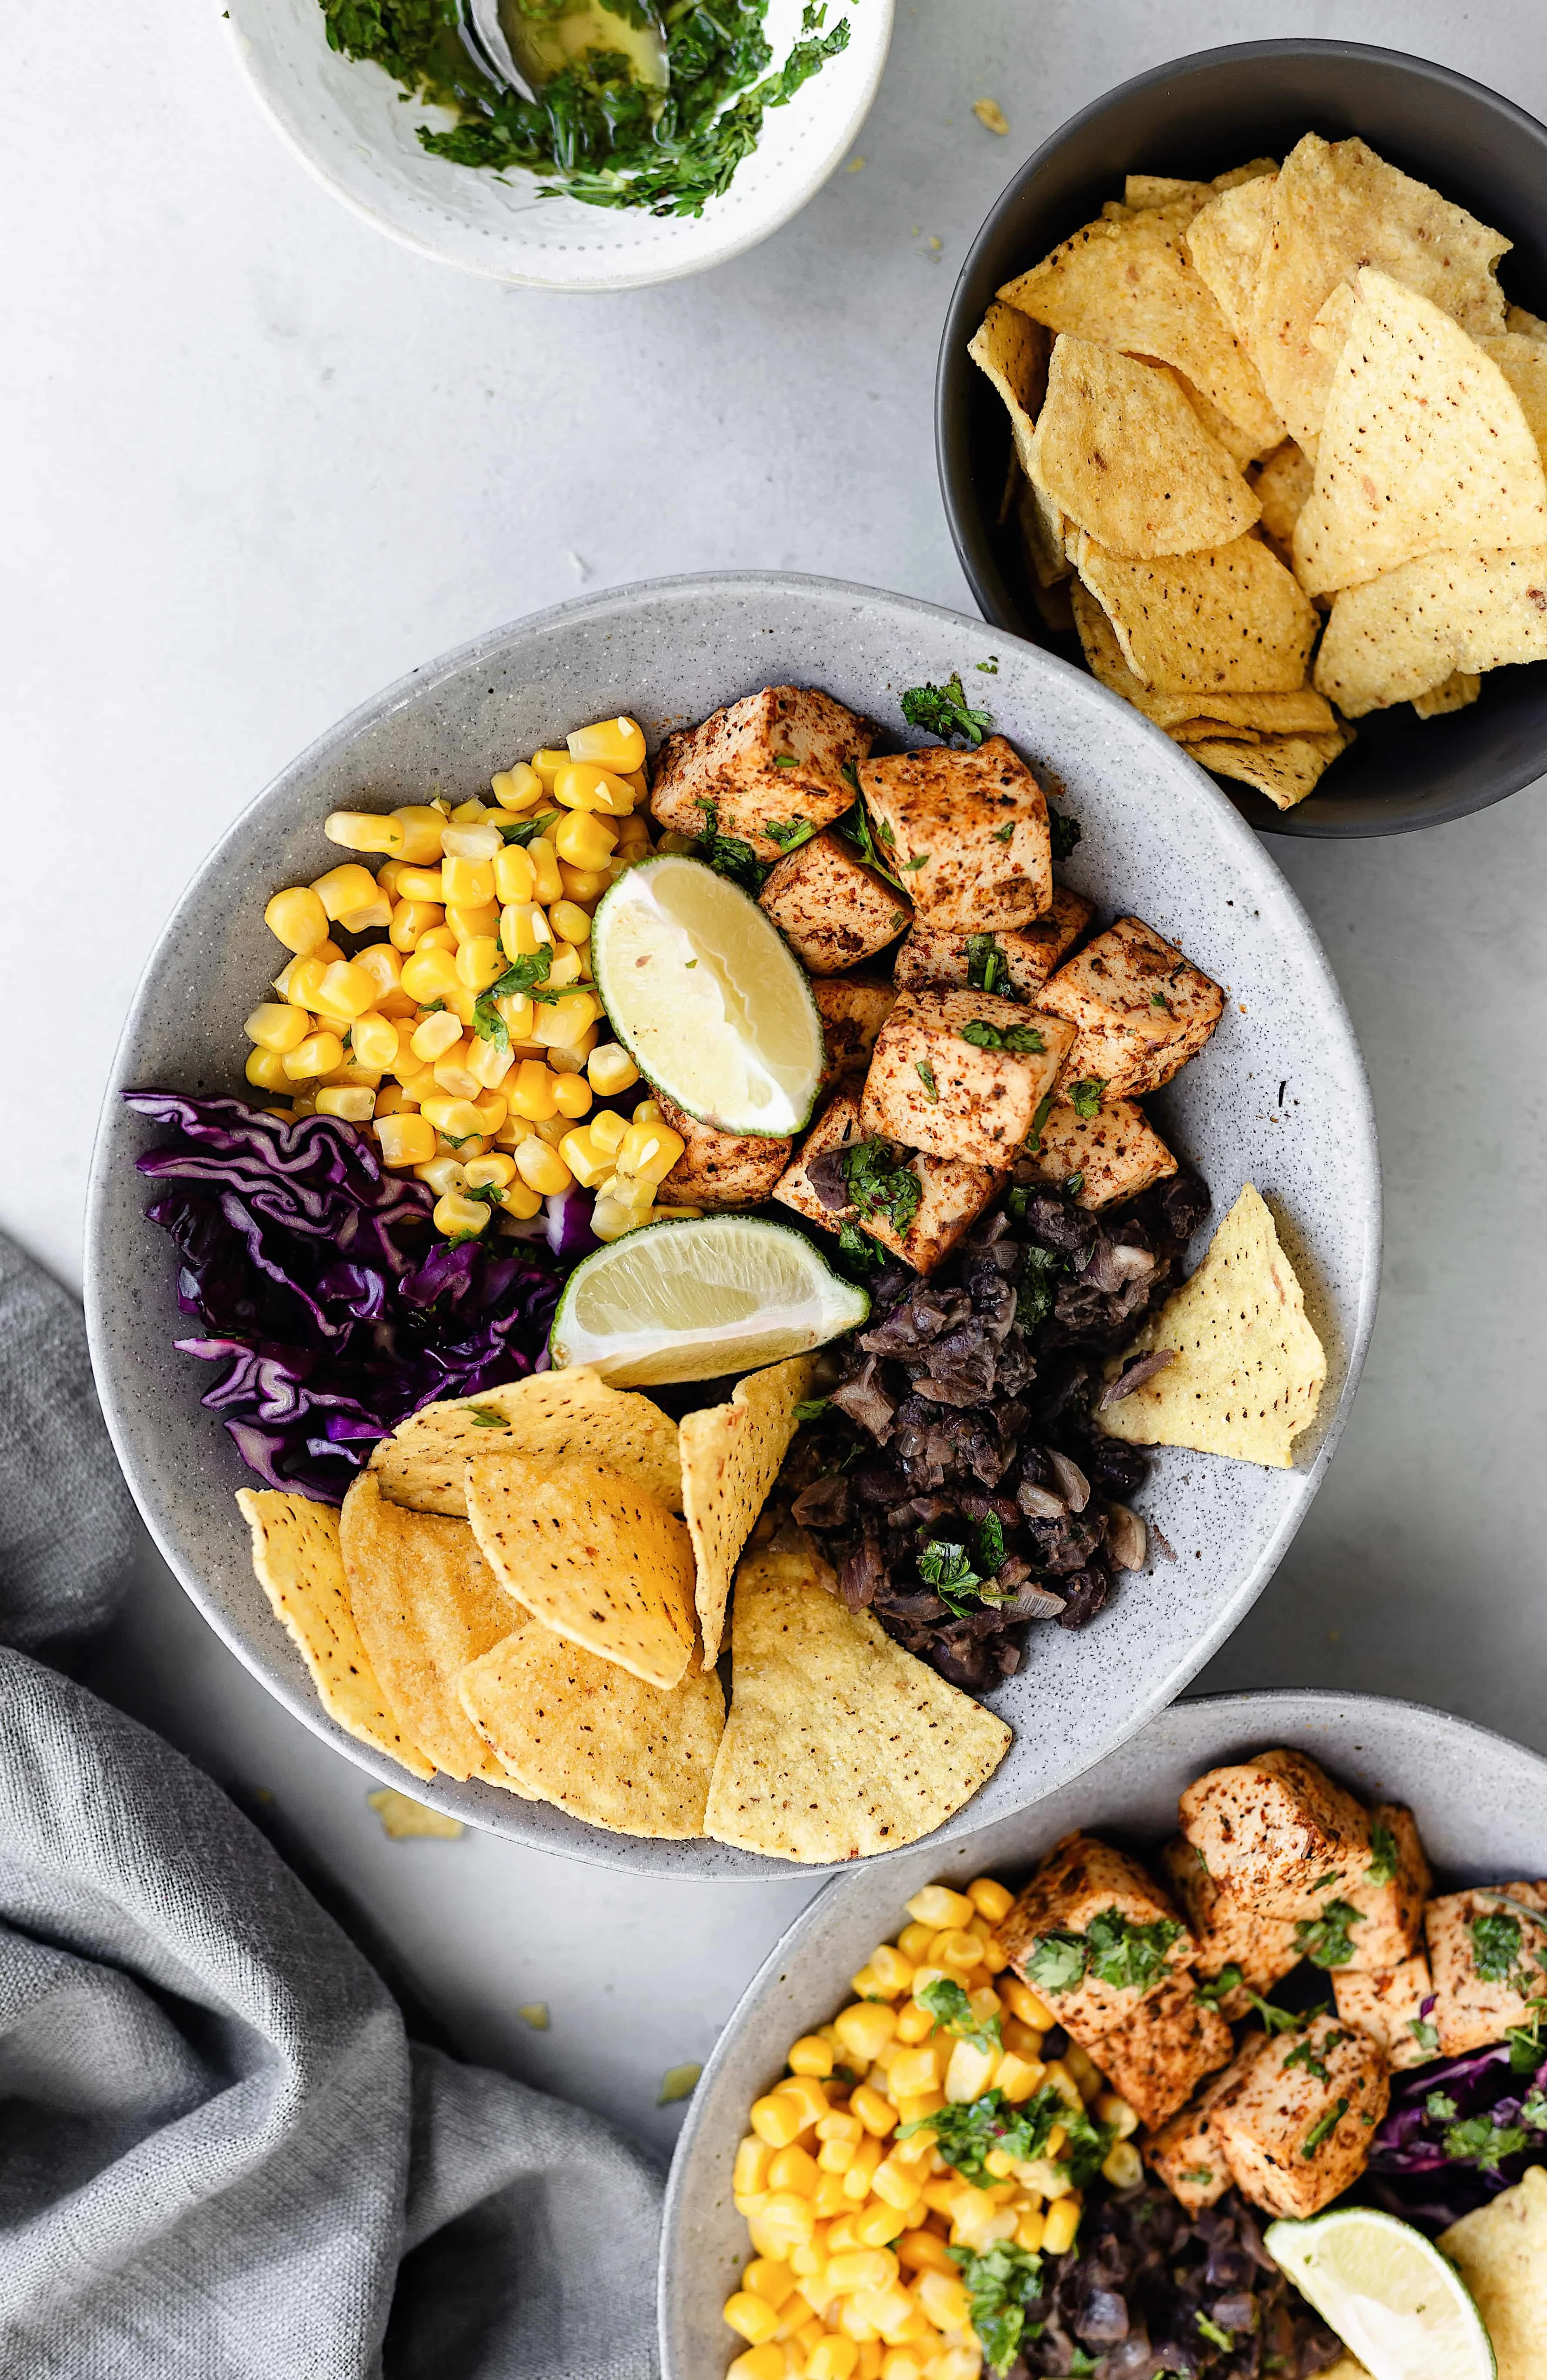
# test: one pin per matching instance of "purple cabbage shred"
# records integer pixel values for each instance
(1457, 2132)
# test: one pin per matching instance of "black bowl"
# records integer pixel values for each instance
(1196, 116)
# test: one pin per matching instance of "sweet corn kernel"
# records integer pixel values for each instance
(838, 2124)
(861, 2268)
(552, 1129)
(574, 1095)
(892, 1970)
(611, 1220)
(766, 2363)
(1083, 2067)
(836, 2156)
(532, 1095)
(583, 885)
(277, 1028)
(611, 1070)
(566, 966)
(479, 840)
(318, 1055)
(788, 2213)
(435, 1035)
(589, 1164)
(915, 1940)
(454, 1118)
(615, 744)
(515, 877)
(926, 2252)
(807, 2093)
(773, 2283)
(829, 2200)
(914, 2023)
(374, 1040)
(1060, 2078)
(549, 883)
(649, 1153)
(344, 890)
(490, 1107)
(468, 924)
(495, 1169)
(957, 2364)
(874, 2112)
(944, 2299)
(903, 2363)
(833, 2359)
(453, 1078)
(1062, 2223)
(353, 1105)
(856, 2180)
(524, 930)
(794, 2168)
(421, 827)
(753, 2317)
(811, 2054)
(1123, 2166)
(866, 2028)
(547, 763)
(583, 789)
(488, 1064)
(517, 788)
(570, 922)
(412, 921)
(265, 1069)
(939, 1907)
(888, 2311)
(955, 1949)
(405, 1139)
(520, 1202)
(1022, 2001)
(366, 830)
(431, 975)
(583, 840)
(444, 1173)
(347, 990)
(560, 1024)
(1019, 2077)
(912, 2070)
(480, 962)
(898, 2186)
(297, 918)
(1117, 2113)
(468, 882)
(542, 1168)
(853, 2320)
(421, 884)
(990, 1898)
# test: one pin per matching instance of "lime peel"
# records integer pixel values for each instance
(1392, 2299)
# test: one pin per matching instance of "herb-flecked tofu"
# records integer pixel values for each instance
(719, 1169)
(1299, 2131)
(853, 1008)
(1387, 1895)
(1228, 1932)
(772, 761)
(1276, 1833)
(1391, 2008)
(922, 1225)
(1139, 1008)
(833, 909)
(1187, 2151)
(1157, 2057)
(967, 832)
(962, 1074)
(1114, 1153)
(1093, 1935)
(1016, 961)
(1488, 1956)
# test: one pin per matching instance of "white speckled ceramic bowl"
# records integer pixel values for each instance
(1279, 1098)
(1482, 1807)
(347, 122)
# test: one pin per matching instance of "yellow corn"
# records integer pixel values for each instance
(584, 885)
(565, 967)
(479, 840)
(1063, 2222)
(913, 2070)
(384, 967)
(773, 2283)
(560, 1024)
(518, 1011)
(833, 2359)
(435, 1035)
(583, 788)
(610, 1219)
(583, 842)
(444, 1172)
(440, 938)
(633, 833)
(516, 789)
(542, 1168)
(344, 892)
(573, 1093)
(318, 1055)
(431, 975)
(1060, 2075)
(521, 1202)
(875, 2113)
(794, 2168)
(355, 1106)
(277, 1029)
(944, 2299)
(1122, 2167)
(466, 923)
(829, 2200)
(480, 962)
(387, 875)
(1019, 2077)
(265, 1069)
(587, 1162)
(938, 1906)
(606, 1130)
(421, 827)
(410, 921)
(925, 2252)
(774, 2120)
(466, 884)
(549, 883)
(753, 2317)
(546, 765)
(421, 884)
(524, 930)
(615, 744)
(765, 2362)
(1115, 2111)
(749, 2172)
(467, 813)
(405, 1139)
(515, 877)
(903, 2363)
(365, 830)
(884, 2220)
(347, 990)
(533, 1094)
(957, 2364)
(810, 2054)
(865, 2029)
(857, 2179)
(393, 1100)
(452, 1077)
(459, 1218)
(990, 1898)
(488, 1064)
(570, 922)
(807, 2093)
(453, 1117)
(956, 1950)
(1022, 2001)
(649, 1153)
(914, 2023)
(888, 2311)
(297, 918)
(373, 1040)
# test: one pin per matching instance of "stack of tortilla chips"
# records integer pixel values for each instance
(1241, 405)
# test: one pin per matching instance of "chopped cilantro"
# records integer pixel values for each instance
(812, 1408)
(1527, 2049)
(861, 1252)
(1075, 1184)
(991, 1542)
(1497, 1943)
(1034, 1138)
(1002, 833)
(965, 2133)
(1066, 832)
(526, 830)
(947, 2002)
(1324, 2130)
(788, 833)
(1001, 2284)
(1427, 2035)
(1383, 1856)
(1058, 1961)
(785, 761)
(1440, 2107)
(1533, 2108)
(854, 827)
(943, 711)
(1307, 2056)
(1213, 2333)
(1157, 999)
(1128, 1956)
(1085, 1096)
(523, 978)
(990, 668)
(487, 1417)
(1229, 1979)
(925, 1073)
(1038, 1286)
(947, 1567)
(1478, 2141)
(1023, 1039)
(908, 866)
(1204, 2173)
(985, 962)
(878, 1183)
(727, 853)
(1326, 1940)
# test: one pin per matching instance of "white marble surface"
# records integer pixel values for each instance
(261, 461)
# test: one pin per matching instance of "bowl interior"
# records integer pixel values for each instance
(349, 122)
(1280, 1099)
(1196, 117)
(1481, 1808)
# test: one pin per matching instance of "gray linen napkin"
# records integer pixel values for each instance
(220, 2155)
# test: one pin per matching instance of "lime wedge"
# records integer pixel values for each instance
(707, 997)
(688, 1301)
(1389, 2294)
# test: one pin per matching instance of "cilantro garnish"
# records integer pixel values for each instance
(860, 1251)
(780, 760)
(925, 1073)
(1074, 1185)
(487, 1417)
(985, 962)
(523, 831)
(878, 1184)
(1066, 832)
(990, 668)
(1037, 1289)
(947, 1568)
(1324, 2130)
(1023, 1039)
(1527, 2049)
(952, 2011)
(727, 853)
(1058, 1965)
(1034, 1138)
(1440, 2107)
(965, 2134)
(1307, 2055)
(1112, 1950)
(1478, 2140)
(1204, 2173)
(1496, 1945)
(812, 1408)
(1001, 2284)
(1427, 2035)
(788, 833)
(523, 977)
(1085, 1096)
(855, 828)
(991, 1542)
(1385, 1856)
(1002, 833)
(1230, 1979)
(943, 711)
(1326, 1940)
(1212, 2331)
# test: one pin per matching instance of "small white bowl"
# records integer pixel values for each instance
(348, 121)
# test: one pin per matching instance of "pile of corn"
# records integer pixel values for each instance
(852, 2279)
(387, 1037)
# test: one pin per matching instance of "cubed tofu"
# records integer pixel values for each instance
(1228, 1932)
(1015, 963)
(1187, 2151)
(1156, 2060)
(952, 1196)
(1276, 1833)
(1299, 2131)
(775, 758)
(967, 832)
(1483, 1972)
(1114, 1154)
(1390, 1911)
(853, 1008)
(719, 1169)
(933, 1087)
(1082, 1879)
(1391, 2008)
(834, 910)
(1139, 1008)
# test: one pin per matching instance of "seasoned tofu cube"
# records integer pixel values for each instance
(1488, 1954)
(1228, 1932)
(1093, 1935)
(1114, 1154)
(1141, 1009)
(833, 909)
(1388, 1894)
(1299, 2131)
(1016, 961)
(1395, 2009)
(1276, 1833)
(1158, 2056)
(775, 760)
(719, 1169)
(961, 1074)
(1187, 2151)
(967, 832)
(951, 1196)
(853, 1008)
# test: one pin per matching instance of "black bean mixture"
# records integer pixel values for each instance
(956, 1480)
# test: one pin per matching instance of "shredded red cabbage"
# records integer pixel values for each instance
(321, 1287)
(1457, 2132)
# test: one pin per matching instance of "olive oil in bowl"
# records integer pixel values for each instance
(545, 36)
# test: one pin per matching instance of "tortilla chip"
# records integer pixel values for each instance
(1210, 731)
(592, 1555)
(1337, 206)
(1523, 362)
(1243, 446)
(731, 1456)
(1131, 285)
(1454, 693)
(426, 1604)
(1529, 325)
(1424, 448)
(1161, 191)
(1041, 529)
(1225, 241)
(1501, 2249)
(1121, 451)
(1013, 351)
(1285, 767)
(838, 1743)
(558, 1413)
(1249, 1370)
(296, 1556)
(1228, 620)
(1394, 638)
(1284, 484)
(582, 1733)
(404, 1819)
(1300, 711)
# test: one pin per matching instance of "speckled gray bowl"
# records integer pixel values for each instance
(1279, 1098)
(1482, 1807)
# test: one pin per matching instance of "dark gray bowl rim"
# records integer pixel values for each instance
(951, 433)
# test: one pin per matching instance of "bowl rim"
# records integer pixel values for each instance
(593, 1845)
(1310, 1701)
(952, 444)
(670, 266)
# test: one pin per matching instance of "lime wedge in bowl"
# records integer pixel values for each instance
(707, 997)
(1391, 2298)
(688, 1301)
